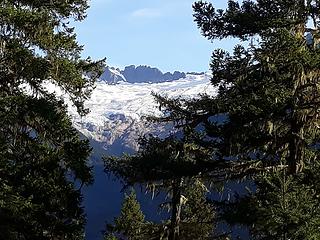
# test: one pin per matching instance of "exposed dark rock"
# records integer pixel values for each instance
(139, 74)
(112, 76)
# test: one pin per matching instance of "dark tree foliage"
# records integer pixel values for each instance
(268, 97)
(43, 162)
(283, 207)
(198, 216)
(267, 91)
(131, 223)
(173, 166)
(263, 124)
(269, 94)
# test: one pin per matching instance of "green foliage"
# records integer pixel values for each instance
(249, 18)
(131, 221)
(198, 215)
(268, 92)
(159, 159)
(283, 207)
(43, 162)
(268, 95)
(169, 165)
(288, 209)
(110, 237)
(262, 125)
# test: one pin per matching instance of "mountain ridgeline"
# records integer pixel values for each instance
(139, 74)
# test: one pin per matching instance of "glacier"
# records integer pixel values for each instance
(117, 111)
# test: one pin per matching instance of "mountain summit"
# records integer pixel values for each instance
(117, 110)
(139, 74)
(116, 119)
(112, 75)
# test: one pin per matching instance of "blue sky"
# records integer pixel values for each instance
(159, 33)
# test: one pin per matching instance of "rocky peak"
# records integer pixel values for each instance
(112, 75)
(139, 74)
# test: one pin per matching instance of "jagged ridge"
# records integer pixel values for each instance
(139, 74)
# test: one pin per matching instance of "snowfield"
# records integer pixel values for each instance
(116, 110)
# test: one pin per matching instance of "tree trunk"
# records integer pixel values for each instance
(296, 148)
(176, 209)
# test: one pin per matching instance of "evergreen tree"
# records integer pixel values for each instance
(268, 91)
(169, 165)
(264, 118)
(288, 209)
(43, 162)
(283, 207)
(267, 104)
(198, 215)
(131, 221)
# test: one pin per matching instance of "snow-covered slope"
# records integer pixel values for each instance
(114, 121)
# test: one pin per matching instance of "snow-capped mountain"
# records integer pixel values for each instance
(116, 111)
(116, 119)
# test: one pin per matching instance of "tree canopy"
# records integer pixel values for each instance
(43, 162)
(263, 124)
